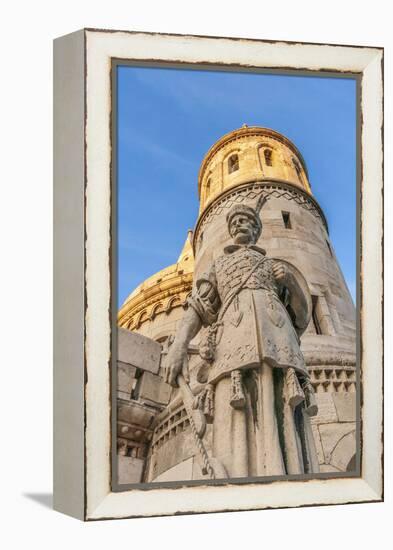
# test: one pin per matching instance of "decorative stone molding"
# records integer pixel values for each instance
(141, 308)
(250, 191)
(176, 423)
(333, 379)
(134, 432)
(324, 358)
(160, 293)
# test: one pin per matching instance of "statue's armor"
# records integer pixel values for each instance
(230, 270)
(250, 323)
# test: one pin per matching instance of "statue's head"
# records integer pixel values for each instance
(244, 224)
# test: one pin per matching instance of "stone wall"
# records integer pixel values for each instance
(334, 431)
(141, 395)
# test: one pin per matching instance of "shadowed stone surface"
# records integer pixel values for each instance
(153, 389)
(130, 469)
(138, 351)
(125, 379)
(345, 404)
(326, 409)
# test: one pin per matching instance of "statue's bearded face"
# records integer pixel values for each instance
(243, 229)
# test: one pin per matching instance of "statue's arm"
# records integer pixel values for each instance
(177, 359)
(202, 310)
(189, 328)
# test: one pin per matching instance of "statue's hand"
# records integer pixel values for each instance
(279, 271)
(176, 363)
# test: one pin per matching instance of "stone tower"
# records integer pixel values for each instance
(237, 169)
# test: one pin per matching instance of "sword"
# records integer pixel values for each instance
(209, 464)
(194, 414)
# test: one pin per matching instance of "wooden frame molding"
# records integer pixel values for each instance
(83, 253)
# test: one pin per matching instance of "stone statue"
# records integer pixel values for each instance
(250, 311)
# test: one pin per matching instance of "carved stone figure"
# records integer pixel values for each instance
(250, 311)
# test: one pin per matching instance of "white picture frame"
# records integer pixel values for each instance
(83, 207)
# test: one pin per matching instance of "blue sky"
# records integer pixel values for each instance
(169, 118)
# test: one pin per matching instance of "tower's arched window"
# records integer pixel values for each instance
(208, 185)
(233, 163)
(316, 325)
(268, 154)
(297, 168)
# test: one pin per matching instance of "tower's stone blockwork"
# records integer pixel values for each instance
(238, 169)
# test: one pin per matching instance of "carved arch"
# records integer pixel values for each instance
(344, 452)
(233, 164)
(156, 309)
(299, 172)
(207, 187)
(141, 318)
(268, 156)
(274, 153)
(172, 302)
(235, 152)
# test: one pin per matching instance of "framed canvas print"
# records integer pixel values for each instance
(218, 274)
